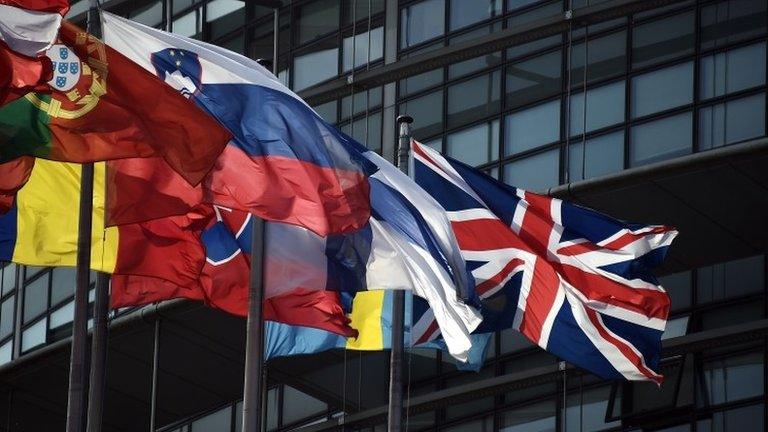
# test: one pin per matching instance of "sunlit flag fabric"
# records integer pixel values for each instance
(284, 163)
(20, 74)
(41, 229)
(572, 280)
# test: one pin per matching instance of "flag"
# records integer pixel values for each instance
(572, 280)
(224, 280)
(20, 74)
(284, 162)
(41, 229)
(103, 106)
(15, 175)
(29, 27)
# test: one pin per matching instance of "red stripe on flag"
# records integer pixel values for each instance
(629, 238)
(537, 223)
(498, 278)
(541, 298)
(424, 338)
(486, 235)
(578, 249)
(648, 302)
(625, 350)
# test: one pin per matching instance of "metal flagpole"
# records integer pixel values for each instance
(253, 392)
(155, 371)
(395, 419)
(78, 368)
(97, 387)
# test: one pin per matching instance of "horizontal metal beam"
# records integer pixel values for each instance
(482, 45)
(755, 330)
(692, 162)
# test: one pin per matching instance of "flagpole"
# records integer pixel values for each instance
(78, 368)
(254, 412)
(395, 418)
(98, 381)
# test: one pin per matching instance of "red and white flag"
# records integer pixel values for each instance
(30, 27)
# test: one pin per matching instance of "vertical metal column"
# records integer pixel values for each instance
(78, 368)
(97, 387)
(395, 418)
(155, 371)
(254, 350)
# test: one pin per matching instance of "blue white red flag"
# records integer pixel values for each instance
(572, 280)
(284, 163)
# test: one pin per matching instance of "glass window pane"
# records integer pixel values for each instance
(420, 82)
(663, 40)
(472, 65)
(63, 284)
(187, 25)
(273, 409)
(731, 122)
(678, 286)
(731, 279)
(735, 420)
(6, 352)
(34, 335)
(6, 316)
(539, 417)
(534, 79)
(328, 111)
(482, 425)
(298, 406)
(605, 107)
(151, 14)
(605, 155)
(732, 71)
(733, 378)
(724, 316)
(662, 139)
(586, 410)
(474, 99)
(606, 57)
(225, 16)
(318, 18)
(476, 145)
(356, 10)
(427, 112)
(367, 131)
(421, 21)
(532, 128)
(466, 12)
(316, 64)
(374, 39)
(36, 298)
(220, 421)
(8, 281)
(662, 89)
(676, 327)
(534, 173)
(730, 21)
(63, 315)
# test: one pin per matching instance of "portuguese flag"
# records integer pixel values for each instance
(103, 106)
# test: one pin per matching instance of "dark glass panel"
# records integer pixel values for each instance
(468, 12)
(421, 22)
(663, 40)
(606, 57)
(605, 155)
(316, 19)
(730, 279)
(534, 173)
(474, 99)
(732, 121)
(661, 139)
(732, 71)
(36, 298)
(730, 21)
(427, 112)
(662, 89)
(534, 79)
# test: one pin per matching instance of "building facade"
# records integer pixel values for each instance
(653, 111)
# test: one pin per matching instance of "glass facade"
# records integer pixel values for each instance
(591, 101)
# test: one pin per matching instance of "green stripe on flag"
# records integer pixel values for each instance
(24, 130)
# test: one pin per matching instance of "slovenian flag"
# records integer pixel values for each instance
(284, 163)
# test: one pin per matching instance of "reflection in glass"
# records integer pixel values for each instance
(732, 121)
(534, 173)
(531, 128)
(539, 417)
(534, 79)
(474, 99)
(605, 107)
(427, 112)
(662, 89)
(678, 286)
(220, 421)
(6, 352)
(661, 139)
(466, 12)
(663, 40)
(8, 281)
(224, 16)
(36, 298)
(730, 21)
(604, 155)
(732, 378)
(730, 279)
(150, 15)
(298, 406)
(189, 24)
(6, 316)
(63, 284)
(421, 21)
(374, 39)
(315, 65)
(606, 57)
(317, 18)
(586, 410)
(476, 145)
(735, 420)
(34, 335)
(731, 71)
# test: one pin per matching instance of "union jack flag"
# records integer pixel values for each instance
(572, 280)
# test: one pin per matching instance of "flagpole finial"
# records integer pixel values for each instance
(404, 119)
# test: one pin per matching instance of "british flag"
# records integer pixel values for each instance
(572, 280)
